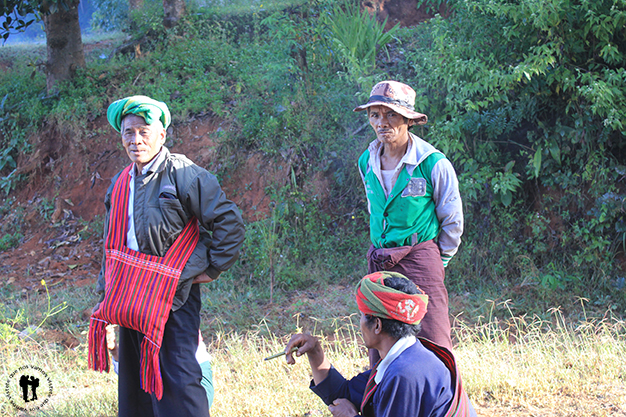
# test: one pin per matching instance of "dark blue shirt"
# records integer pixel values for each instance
(416, 384)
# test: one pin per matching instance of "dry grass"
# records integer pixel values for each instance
(535, 367)
(76, 391)
(246, 385)
(517, 367)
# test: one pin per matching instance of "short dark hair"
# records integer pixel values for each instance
(395, 328)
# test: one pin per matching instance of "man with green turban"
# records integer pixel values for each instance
(168, 228)
(151, 111)
(414, 377)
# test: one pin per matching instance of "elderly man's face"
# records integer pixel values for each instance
(141, 140)
(391, 128)
(368, 332)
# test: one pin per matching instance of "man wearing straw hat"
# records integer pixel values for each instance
(416, 215)
(415, 377)
(168, 227)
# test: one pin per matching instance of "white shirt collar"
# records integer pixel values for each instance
(400, 346)
(408, 158)
(145, 167)
(131, 236)
(417, 150)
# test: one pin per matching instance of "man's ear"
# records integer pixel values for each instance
(163, 136)
(412, 122)
(378, 325)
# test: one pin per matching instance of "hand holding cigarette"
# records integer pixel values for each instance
(299, 344)
(279, 354)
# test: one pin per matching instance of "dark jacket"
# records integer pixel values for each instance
(166, 197)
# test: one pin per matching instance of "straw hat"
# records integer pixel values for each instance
(397, 96)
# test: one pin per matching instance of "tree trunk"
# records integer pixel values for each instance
(64, 45)
(173, 11)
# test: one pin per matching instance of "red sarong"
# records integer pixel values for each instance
(139, 291)
(422, 265)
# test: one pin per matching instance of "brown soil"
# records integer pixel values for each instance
(402, 12)
(69, 172)
(68, 175)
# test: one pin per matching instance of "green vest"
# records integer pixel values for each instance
(407, 217)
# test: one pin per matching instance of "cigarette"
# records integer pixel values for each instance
(279, 354)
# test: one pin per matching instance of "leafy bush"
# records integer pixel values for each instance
(21, 107)
(9, 241)
(299, 245)
(357, 37)
(110, 15)
(528, 100)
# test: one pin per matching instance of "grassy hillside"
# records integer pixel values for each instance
(526, 100)
(535, 140)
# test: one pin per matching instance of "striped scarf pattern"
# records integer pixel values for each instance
(376, 299)
(460, 406)
(370, 388)
(140, 290)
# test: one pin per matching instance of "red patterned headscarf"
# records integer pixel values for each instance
(376, 299)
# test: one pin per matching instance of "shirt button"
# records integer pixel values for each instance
(383, 236)
(385, 214)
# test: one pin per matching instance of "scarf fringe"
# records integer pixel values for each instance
(98, 357)
(151, 381)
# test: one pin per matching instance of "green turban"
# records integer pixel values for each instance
(151, 110)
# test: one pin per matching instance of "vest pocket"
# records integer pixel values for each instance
(415, 188)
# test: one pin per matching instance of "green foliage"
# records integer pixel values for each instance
(247, 7)
(147, 20)
(19, 108)
(18, 14)
(434, 6)
(11, 226)
(9, 241)
(536, 62)
(45, 208)
(504, 184)
(357, 37)
(526, 98)
(299, 245)
(109, 14)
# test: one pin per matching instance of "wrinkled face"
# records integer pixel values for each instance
(141, 141)
(367, 331)
(391, 128)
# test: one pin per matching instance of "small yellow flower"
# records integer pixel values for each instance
(43, 282)
(353, 217)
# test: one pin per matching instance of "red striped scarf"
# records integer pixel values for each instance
(460, 402)
(140, 290)
(460, 406)
(370, 388)
(376, 299)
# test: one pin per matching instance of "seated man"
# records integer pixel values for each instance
(413, 378)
